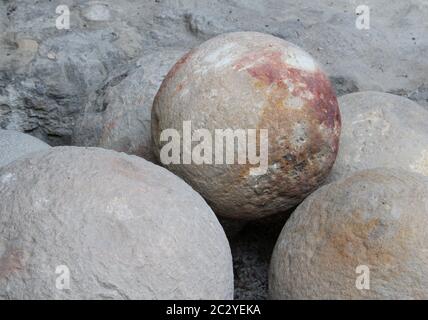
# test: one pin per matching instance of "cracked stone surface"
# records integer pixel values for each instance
(124, 227)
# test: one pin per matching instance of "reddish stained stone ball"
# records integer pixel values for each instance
(249, 80)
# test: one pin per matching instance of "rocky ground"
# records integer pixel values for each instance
(93, 84)
(252, 244)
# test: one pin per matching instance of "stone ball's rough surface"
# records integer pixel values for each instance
(375, 218)
(381, 130)
(14, 144)
(124, 227)
(249, 80)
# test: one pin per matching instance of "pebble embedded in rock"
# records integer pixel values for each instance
(15, 144)
(375, 219)
(381, 130)
(249, 80)
(29, 45)
(123, 227)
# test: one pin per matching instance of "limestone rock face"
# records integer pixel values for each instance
(242, 81)
(14, 144)
(375, 219)
(381, 130)
(48, 74)
(123, 227)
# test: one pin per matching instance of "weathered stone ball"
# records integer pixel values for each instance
(79, 223)
(15, 144)
(362, 237)
(381, 130)
(248, 82)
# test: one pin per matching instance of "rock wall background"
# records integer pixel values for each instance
(50, 77)
(94, 83)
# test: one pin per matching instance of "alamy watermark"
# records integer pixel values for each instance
(62, 281)
(363, 17)
(363, 279)
(219, 148)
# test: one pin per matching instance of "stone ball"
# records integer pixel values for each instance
(117, 226)
(117, 117)
(381, 130)
(362, 237)
(249, 81)
(15, 144)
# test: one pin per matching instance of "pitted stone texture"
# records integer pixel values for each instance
(14, 144)
(249, 80)
(381, 130)
(376, 218)
(125, 228)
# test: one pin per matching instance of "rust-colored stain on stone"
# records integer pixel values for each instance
(177, 66)
(170, 75)
(350, 244)
(268, 67)
(304, 166)
(265, 66)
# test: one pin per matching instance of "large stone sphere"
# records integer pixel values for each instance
(249, 80)
(15, 144)
(381, 130)
(363, 237)
(120, 227)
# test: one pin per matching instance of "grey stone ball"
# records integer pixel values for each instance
(250, 80)
(123, 227)
(362, 237)
(15, 144)
(118, 116)
(381, 130)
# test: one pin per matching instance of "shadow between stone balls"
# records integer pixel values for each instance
(252, 244)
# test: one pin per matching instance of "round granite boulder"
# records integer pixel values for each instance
(381, 130)
(88, 223)
(257, 120)
(362, 237)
